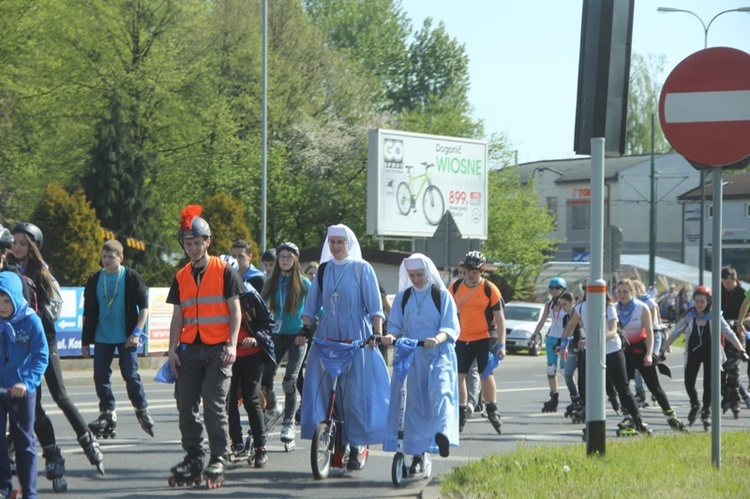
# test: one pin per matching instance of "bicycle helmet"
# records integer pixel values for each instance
(231, 261)
(191, 224)
(6, 238)
(703, 290)
(474, 260)
(34, 232)
(558, 281)
(268, 256)
(291, 247)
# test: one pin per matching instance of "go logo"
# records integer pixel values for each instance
(393, 152)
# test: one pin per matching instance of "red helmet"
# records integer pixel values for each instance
(703, 290)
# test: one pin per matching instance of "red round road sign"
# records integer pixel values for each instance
(704, 108)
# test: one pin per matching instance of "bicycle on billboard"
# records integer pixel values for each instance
(433, 205)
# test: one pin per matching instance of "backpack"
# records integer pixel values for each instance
(53, 307)
(434, 291)
(488, 315)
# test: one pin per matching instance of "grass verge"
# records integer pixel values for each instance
(669, 465)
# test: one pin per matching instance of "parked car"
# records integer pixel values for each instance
(520, 322)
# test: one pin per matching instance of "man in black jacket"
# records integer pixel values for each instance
(114, 314)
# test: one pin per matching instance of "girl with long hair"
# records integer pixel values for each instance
(285, 292)
(27, 243)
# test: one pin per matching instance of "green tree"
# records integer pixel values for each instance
(643, 103)
(72, 239)
(433, 94)
(225, 217)
(517, 232)
(372, 33)
(116, 182)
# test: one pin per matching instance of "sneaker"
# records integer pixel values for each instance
(239, 450)
(259, 459)
(470, 411)
(287, 431)
(356, 461)
(416, 465)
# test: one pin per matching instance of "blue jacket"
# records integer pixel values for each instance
(24, 353)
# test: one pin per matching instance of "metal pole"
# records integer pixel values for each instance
(652, 218)
(597, 322)
(716, 251)
(264, 130)
(701, 243)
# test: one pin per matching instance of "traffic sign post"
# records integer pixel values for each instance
(704, 110)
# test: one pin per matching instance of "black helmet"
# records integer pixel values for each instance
(474, 260)
(6, 238)
(268, 256)
(288, 246)
(31, 230)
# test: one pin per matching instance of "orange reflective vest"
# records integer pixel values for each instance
(204, 308)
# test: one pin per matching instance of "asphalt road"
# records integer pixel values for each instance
(138, 465)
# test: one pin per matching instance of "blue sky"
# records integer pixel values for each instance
(524, 57)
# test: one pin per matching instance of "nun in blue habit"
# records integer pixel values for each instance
(431, 420)
(352, 309)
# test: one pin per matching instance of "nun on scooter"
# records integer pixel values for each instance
(424, 310)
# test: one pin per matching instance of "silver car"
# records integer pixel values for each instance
(520, 322)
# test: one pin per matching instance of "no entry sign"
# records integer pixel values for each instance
(704, 108)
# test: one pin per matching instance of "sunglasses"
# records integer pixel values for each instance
(555, 287)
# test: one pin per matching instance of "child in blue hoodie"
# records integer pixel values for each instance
(23, 359)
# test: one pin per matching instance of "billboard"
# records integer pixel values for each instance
(414, 180)
(69, 325)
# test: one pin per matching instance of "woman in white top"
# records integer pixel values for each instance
(615, 359)
(635, 320)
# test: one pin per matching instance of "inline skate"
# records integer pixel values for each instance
(288, 430)
(693, 414)
(105, 426)
(494, 417)
(55, 467)
(675, 423)
(551, 404)
(91, 448)
(144, 418)
(189, 471)
(214, 472)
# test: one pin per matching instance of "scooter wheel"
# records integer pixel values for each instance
(398, 470)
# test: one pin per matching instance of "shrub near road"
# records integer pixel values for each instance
(660, 466)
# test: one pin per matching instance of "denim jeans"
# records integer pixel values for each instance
(283, 345)
(20, 413)
(569, 372)
(103, 355)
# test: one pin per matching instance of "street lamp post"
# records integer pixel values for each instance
(706, 27)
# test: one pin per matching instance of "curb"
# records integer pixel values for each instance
(431, 490)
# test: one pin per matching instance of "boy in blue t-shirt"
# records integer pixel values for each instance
(115, 310)
(24, 349)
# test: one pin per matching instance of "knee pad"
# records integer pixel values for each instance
(551, 370)
(289, 386)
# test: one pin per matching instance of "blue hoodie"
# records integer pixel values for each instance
(24, 353)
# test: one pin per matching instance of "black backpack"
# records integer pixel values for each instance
(434, 291)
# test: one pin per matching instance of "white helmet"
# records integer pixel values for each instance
(231, 261)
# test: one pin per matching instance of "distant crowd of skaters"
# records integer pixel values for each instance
(233, 324)
(636, 344)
